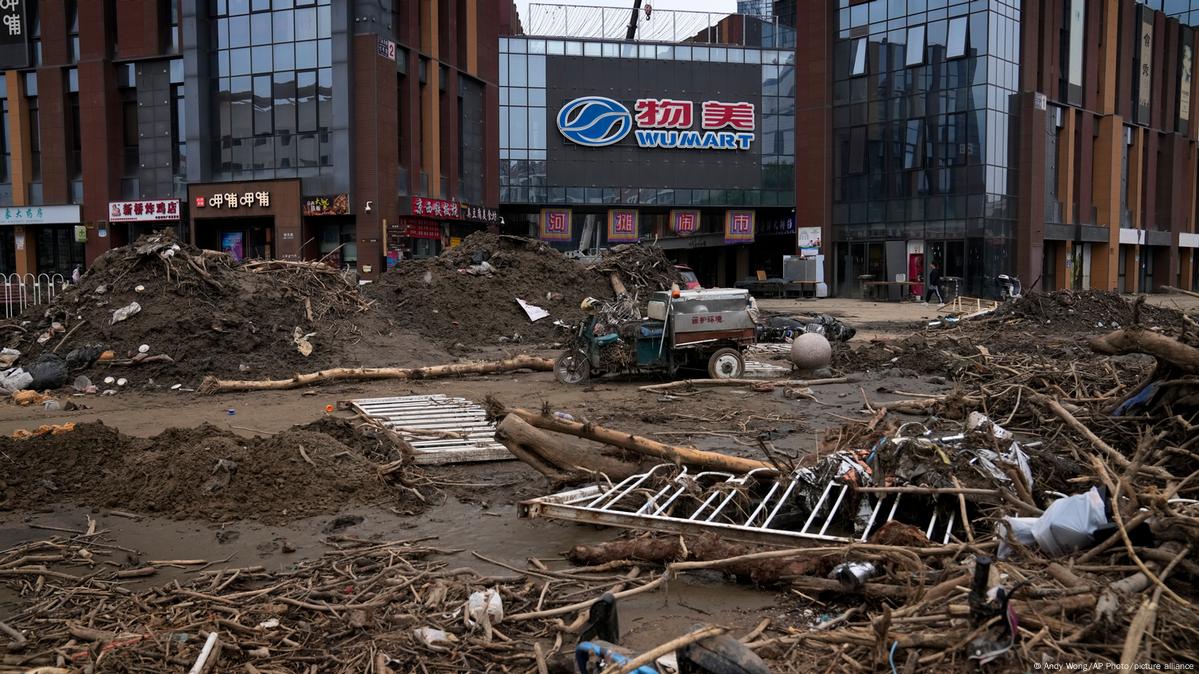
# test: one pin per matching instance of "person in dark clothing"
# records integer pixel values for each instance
(934, 283)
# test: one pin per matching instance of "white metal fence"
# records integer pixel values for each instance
(25, 290)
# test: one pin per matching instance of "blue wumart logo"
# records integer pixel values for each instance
(594, 121)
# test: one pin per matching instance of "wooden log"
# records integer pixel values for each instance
(1181, 291)
(569, 462)
(1136, 340)
(644, 446)
(760, 383)
(214, 385)
(617, 284)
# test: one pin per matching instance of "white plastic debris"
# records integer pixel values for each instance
(268, 624)
(122, 381)
(487, 602)
(126, 311)
(144, 348)
(1068, 524)
(15, 380)
(82, 383)
(108, 392)
(51, 405)
(431, 636)
(140, 288)
(535, 313)
(109, 380)
(8, 357)
(176, 387)
(853, 575)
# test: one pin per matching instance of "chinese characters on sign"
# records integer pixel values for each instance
(684, 223)
(384, 48)
(235, 200)
(778, 226)
(717, 115)
(334, 204)
(14, 34)
(622, 225)
(702, 320)
(40, 215)
(436, 208)
(738, 226)
(664, 113)
(479, 214)
(142, 211)
(598, 121)
(554, 224)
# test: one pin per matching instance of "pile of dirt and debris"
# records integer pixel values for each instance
(1082, 311)
(178, 313)
(469, 293)
(203, 472)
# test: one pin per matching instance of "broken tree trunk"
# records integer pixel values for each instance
(214, 385)
(557, 460)
(644, 446)
(764, 384)
(617, 284)
(1135, 340)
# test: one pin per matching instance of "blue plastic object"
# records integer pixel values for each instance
(585, 650)
(607, 339)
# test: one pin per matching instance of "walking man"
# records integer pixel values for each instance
(934, 283)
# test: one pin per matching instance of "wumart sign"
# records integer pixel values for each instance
(596, 121)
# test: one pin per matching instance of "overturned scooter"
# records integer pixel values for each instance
(598, 649)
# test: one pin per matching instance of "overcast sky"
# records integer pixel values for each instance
(522, 6)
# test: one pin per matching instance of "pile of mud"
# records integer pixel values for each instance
(1046, 328)
(1064, 311)
(206, 312)
(203, 472)
(468, 293)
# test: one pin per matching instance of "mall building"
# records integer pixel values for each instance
(687, 141)
(354, 131)
(1052, 140)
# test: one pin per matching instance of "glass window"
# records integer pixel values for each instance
(306, 116)
(240, 108)
(284, 26)
(611, 50)
(261, 59)
(262, 106)
(591, 49)
(324, 53)
(239, 31)
(285, 56)
(858, 63)
(915, 52)
(536, 71)
(517, 70)
(306, 54)
(324, 25)
(306, 24)
(285, 102)
(537, 127)
(239, 62)
(957, 37)
(260, 28)
(574, 48)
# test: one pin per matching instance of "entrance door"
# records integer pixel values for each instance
(916, 272)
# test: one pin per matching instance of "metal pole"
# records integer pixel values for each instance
(632, 32)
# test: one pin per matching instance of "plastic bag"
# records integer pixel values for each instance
(15, 380)
(125, 312)
(1068, 524)
(50, 372)
(487, 602)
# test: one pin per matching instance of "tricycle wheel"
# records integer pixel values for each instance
(726, 364)
(572, 367)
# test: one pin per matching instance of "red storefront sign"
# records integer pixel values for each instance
(436, 208)
(414, 229)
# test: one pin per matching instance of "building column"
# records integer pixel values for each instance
(1030, 222)
(25, 241)
(1062, 256)
(1109, 46)
(375, 153)
(1107, 160)
(1132, 268)
(1065, 165)
(1186, 267)
(815, 24)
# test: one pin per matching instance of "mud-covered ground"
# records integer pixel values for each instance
(146, 467)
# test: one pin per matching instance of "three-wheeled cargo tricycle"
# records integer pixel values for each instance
(687, 329)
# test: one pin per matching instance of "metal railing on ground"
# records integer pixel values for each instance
(20, 291)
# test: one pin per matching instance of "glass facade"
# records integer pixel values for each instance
(526, 126)
(925, 139)
(1186, 11)
(273, 88)
(759, 8)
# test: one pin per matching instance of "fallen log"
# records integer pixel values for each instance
(764, 384)
(640, 445)
(1137, 340)
(212, 385)
(558, 461)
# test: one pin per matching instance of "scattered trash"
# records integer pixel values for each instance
(1067, 525)
(51, 405)
(853, 575)
(268, 624)
(8, 357)
(144, 348)
(122, 381)
(535, 313)
(230, 411)
(109, 392)
(176, 387)
(110, 380)
(15, 380)
(440, 429)
(141, 288)
(300, 338)
(28, 397)
(49, 372)
(485, 604)
(125, 312)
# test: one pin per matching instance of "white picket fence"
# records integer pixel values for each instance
(26, 290)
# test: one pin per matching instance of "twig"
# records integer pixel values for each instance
(668, 647)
